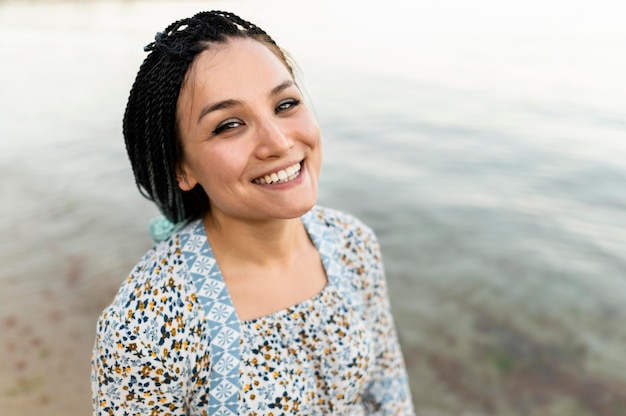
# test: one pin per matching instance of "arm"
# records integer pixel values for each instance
(147, 350)
(388, 393)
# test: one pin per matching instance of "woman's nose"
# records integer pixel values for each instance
(273, 139)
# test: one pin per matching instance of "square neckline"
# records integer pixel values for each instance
(319, 236)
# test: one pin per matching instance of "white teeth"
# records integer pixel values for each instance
(283, 175)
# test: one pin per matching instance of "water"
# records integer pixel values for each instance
(484, 142)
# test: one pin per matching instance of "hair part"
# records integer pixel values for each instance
(150, 124)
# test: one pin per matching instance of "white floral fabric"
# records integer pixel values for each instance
(171, 342)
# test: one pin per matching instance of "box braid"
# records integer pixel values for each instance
(150, 126)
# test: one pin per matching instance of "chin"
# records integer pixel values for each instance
(290, 211)
(295, 212)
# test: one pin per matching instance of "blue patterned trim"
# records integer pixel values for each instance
(327, 241)
(222, 320)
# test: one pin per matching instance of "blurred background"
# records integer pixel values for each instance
(484, 141)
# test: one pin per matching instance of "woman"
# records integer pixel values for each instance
(256, 301)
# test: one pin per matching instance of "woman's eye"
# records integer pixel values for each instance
(227, 125)
(286, 105)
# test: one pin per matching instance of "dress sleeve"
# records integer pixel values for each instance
(148, 353)
(388, 393)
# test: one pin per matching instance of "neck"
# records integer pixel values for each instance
(262, 243)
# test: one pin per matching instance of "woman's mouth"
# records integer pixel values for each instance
(281, 176)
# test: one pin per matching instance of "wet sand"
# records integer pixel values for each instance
(56, 278)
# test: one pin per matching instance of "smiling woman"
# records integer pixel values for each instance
(259, 301)
(242, 119)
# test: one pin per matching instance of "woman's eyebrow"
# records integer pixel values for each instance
(283, 86)
(221, 105)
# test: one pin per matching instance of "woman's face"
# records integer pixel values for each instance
(248, 138)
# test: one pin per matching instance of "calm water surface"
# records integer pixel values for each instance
(485, 144)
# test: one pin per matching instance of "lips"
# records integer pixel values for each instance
(281, 176)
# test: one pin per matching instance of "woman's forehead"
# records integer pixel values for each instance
(240, 65)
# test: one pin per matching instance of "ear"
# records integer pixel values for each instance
(186, 182)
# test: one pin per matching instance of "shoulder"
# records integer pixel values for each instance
(342, 225)
(157, 286)
(350, 252)
(159, 267)
(338, 220)
(347, 239)
(152, 334)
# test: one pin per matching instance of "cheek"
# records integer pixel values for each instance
(223, 165)
(313, 133)
(315, 143)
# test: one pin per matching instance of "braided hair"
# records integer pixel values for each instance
(150, 125)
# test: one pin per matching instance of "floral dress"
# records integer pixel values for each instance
(171, 342)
